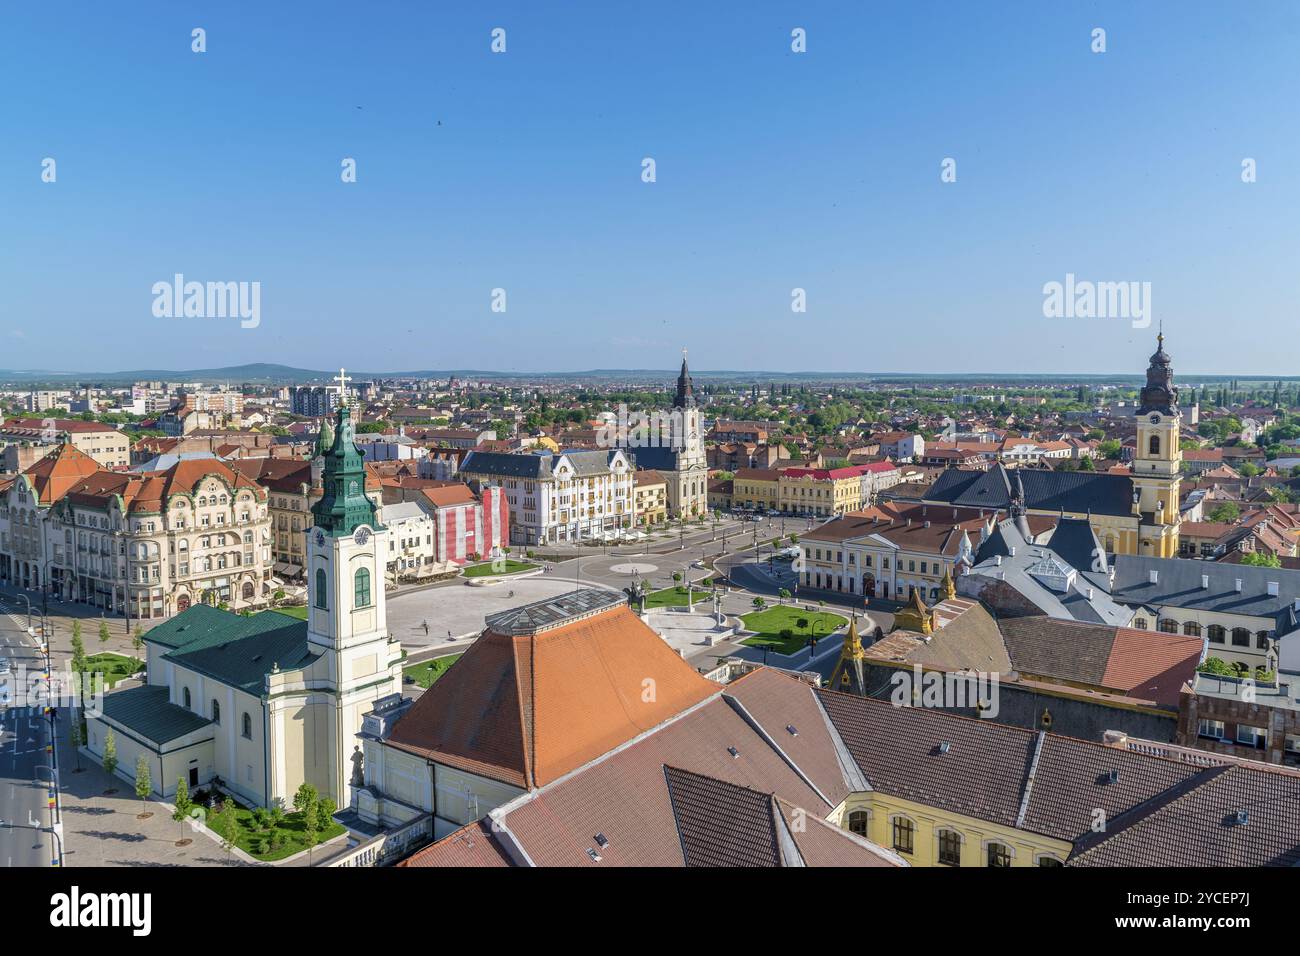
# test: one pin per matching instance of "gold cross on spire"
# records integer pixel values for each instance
(343, 387)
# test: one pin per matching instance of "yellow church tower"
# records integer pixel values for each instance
(1158, 464)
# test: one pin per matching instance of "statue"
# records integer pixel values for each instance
(358, 776)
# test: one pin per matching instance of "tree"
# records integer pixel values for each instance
(110, 753)
(143, 780)
(1228, 511)
(1109, 448)
(137, 639)
(1257, 559)
(325, 811)
(759, 604)
(183, 804)
(1085, 464)
(75, 738)
(78, 649)
(226, 825)
(784, 595)
(305, 799)
(103, 631)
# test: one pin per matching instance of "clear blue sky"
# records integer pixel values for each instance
(775, 170)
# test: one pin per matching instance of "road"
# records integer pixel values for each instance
(25, 770)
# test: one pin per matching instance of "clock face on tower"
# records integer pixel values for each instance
(1155, 419)
(362, 536)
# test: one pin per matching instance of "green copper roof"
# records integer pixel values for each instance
(146, 711)
(233, 649)
(344, 505)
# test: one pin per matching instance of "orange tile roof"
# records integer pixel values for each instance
(471, 845)
(1151, 665)
(449, 495)
(54, 475)
(527, 709)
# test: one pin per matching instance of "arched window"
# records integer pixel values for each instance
(1240, 637)
(1192, 629)
(248, 591)
(247, 729)
(322, 601)
(1046, 860)
(216, 711)
(1169, 626)
(361, 588)
(1217, 634)
(1153, 446)
(186, 698)
(1261, 640)
(999, 855)
(858, 822)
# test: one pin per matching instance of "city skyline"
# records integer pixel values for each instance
(775, 171)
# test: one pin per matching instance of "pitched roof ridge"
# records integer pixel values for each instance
(1136, 814)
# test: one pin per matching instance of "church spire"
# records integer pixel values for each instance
(1159, 394)
(343, 505)
(685, 397)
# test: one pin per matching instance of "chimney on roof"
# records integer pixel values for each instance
(927, 522)
(1238, 585)
(997, 561)
(1272, 589)
(1089, 594)
(1153, 576)
(1205, 580)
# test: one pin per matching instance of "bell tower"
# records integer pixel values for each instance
(346, 620)
(1158, 462)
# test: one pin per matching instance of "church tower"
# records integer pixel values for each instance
(346, 623)
(1158, 463)
(692, 467)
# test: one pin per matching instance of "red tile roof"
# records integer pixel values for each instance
(527, 709)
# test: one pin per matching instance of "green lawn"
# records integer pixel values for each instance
(256, 842)
(299, 612)
(770, 623)
(485, 569)
(426, 672)
(675, 597)
(114, 667)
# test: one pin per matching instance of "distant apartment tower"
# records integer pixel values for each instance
(313, 401)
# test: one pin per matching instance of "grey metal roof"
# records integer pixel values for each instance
(538, 467)
(1077, 491)
(1179, 584)
(505, 465)
(552, 612)
(995, 560)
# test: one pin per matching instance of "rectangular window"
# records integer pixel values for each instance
(949, 848)
(1212, 729)
(903, 834)
(1251, 736)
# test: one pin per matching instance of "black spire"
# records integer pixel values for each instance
(685, 397)
(1160, 393)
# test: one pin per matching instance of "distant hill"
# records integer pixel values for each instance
(265, 373)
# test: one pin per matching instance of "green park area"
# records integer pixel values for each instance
(487, 568)
(426, 672)
(786, 629)
(114, 667)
